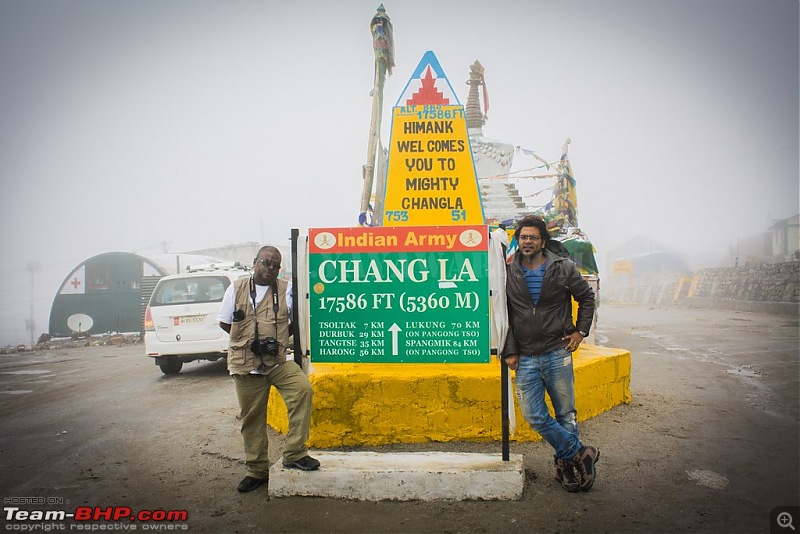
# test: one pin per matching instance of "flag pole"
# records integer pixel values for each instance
(383, 45)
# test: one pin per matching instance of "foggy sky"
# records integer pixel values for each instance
(179, 125)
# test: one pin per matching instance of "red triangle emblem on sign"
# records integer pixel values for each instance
(428, 93)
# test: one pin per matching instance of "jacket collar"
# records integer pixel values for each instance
(549, 256)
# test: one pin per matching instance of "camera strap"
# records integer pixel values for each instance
(275, 306)
(253, 298)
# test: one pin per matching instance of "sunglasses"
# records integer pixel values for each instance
(269, 264)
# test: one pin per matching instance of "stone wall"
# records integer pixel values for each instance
(773, 288)
(779, 282)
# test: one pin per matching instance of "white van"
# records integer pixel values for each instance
(180, 322)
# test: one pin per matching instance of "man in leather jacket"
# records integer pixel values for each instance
(540, 287)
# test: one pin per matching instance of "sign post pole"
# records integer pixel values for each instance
(298, 351)
(505, 407)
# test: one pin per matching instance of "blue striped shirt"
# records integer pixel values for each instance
(533, 278)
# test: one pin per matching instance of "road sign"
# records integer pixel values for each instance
(399, 294)
(622, 267)
(431, 177)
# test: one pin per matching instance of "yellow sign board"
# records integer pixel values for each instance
(622, 267)
(431, 178)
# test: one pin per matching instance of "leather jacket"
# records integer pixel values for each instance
(535, 330)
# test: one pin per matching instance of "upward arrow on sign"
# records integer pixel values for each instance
(394, 329)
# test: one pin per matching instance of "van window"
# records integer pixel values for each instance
(196, 289)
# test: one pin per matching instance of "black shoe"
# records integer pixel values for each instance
(306, 463)
(250, 483)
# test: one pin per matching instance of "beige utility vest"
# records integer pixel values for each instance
(241, 360)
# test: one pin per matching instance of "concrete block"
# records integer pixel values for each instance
(380, 404)
(425, 476)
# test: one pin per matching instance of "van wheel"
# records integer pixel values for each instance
(171, 365)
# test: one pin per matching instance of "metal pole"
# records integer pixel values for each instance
(505, 407)
(504, 393)
(298, 351)
(33, 266)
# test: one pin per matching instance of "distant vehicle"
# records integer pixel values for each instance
(180, 322)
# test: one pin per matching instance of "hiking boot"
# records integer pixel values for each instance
(249, 483)
(565, 473)
(306, 463)
(584, 463)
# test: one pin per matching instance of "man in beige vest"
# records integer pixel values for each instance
(255, 312)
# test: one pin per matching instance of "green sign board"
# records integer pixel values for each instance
(399, 294)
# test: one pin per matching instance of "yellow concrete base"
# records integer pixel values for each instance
(380, 404)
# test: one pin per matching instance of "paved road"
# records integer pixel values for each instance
(710, 442)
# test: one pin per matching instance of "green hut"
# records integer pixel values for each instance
(105, 293)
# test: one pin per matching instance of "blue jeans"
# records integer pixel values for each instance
(550, 372)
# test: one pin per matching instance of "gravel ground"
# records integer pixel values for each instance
(710, 443)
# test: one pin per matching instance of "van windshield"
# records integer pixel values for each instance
(190, 290)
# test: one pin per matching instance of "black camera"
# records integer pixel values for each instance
(267, 345)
